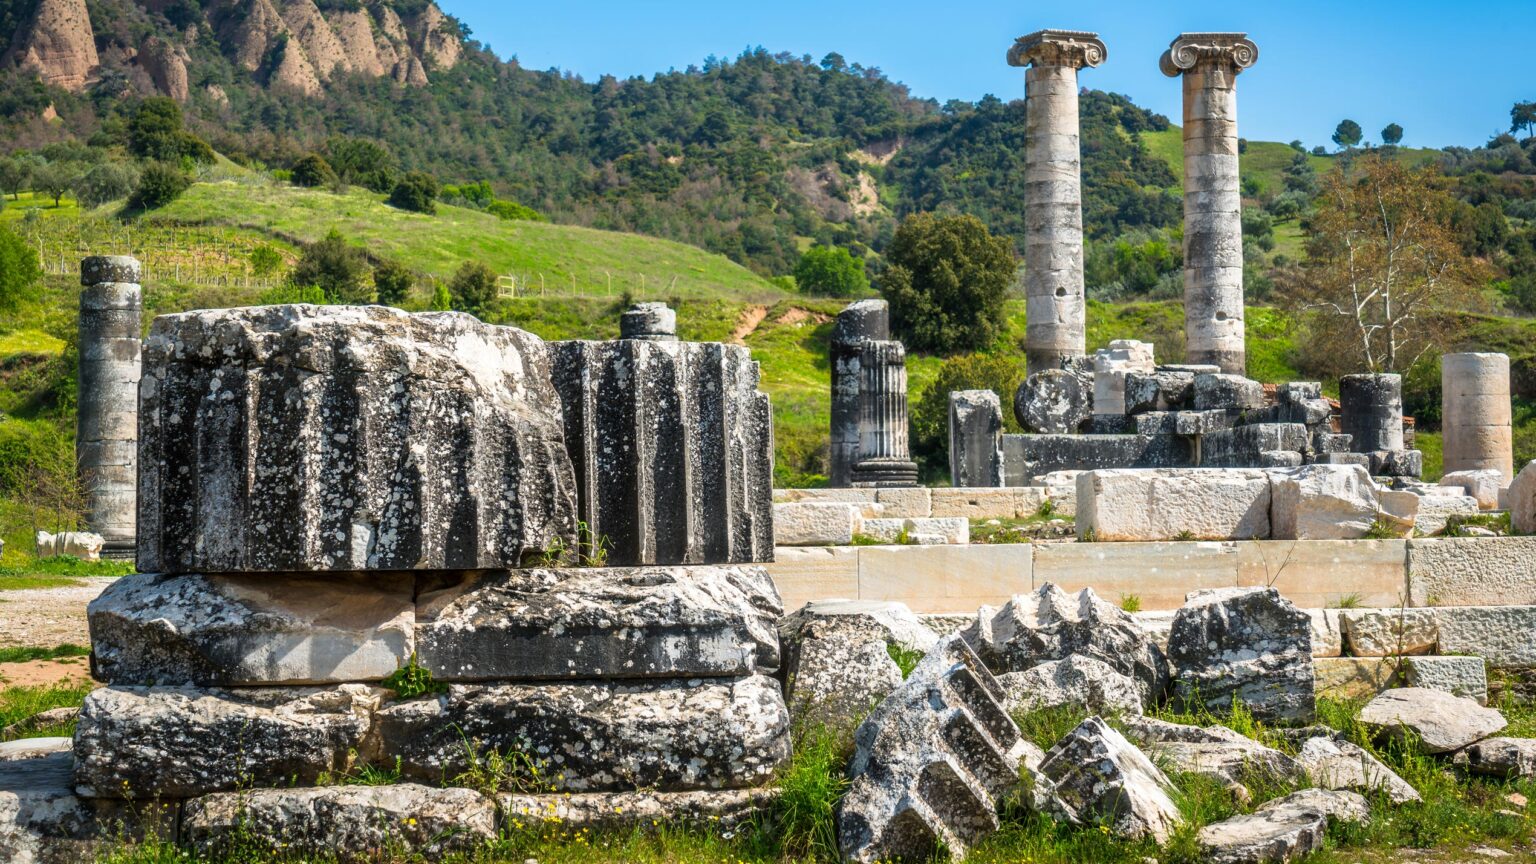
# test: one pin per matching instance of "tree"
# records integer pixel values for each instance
(393, 282)
(103, 183)
(312, 171)
(1523, 116)
(417, 192)
(20, 272)
(55, 180)
(473, 288)
(442, 301)
(1000, 373)
(1392, 134)
(265, 259)
(362, 162)
(830, 271)
(159, 184)
(1384, 265)
(946, 282)
(1348, 134)
(14, 174)
(335, 267)
(155, 133)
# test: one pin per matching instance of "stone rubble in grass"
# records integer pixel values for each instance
(1097, 776)
(1214, 751)
(838, 662)
(1334, 763)
(1281, 830)
(1506, 758)
(1248, 644)
(1078, 681)
(1434, 721)
(1481, 484)
(931, 762)
(1050, 624)
(711, 810)
(75, 544)
(43, 820)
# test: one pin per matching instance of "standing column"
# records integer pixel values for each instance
(1213, 218)
(1054, 325)
(975, 438)
(1475, 413)
(860, 322)
(107, 431)
(884, 454)
(1371, 411)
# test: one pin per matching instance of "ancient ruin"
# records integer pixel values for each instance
(106, 437)
(869, 400)
(1475, 408)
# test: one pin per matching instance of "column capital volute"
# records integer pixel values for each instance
(1199, 49)
(1074, 48)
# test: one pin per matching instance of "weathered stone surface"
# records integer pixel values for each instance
(305, 438)
(43, 821)
(1169, 503)
(1435, 511)
(1327, 502)
(837, 659)
(975, 438)
(184, 742)
(76, 544)
(1052, 402)
(1014, 502)
(1521, 500)
(1349, 678)
(930, 762)
(1050, 624)
(252, 629)
(349, 822)
(1472, 571)
(1327, 632)
(32, 748)
(815, 523)
(652, 321)
(1434, 721)
(1269, 837)
(1508, 758)
(859, 322)
(1459, 676)
(1250, 644)
(1164, 389)
(1078, 681)
(1214, 751)
(1476, 412)
(1371, 411)
(1037, 455)
(1482, 484)
(1500, 635)
(954, 530)
(599, 622)
(106, 432)
(1097, 775)
(1340, 765)
(626, 811)
(1338, 805)
(1389, 632)
(1227, 392)
(672, 446)
(668, 735)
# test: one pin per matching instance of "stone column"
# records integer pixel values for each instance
(107, 430)
(860, 322)
(1475, 413)
(975, 439)
(653, 322)
(1371, 411)
(1054, 325)
(1213, 224)
(884, 452)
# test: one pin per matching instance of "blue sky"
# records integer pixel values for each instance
(1446, 71)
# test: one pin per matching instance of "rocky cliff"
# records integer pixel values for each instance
(293, 45)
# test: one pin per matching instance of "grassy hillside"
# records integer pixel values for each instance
(1264, 161)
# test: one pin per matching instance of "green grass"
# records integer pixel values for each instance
(29, 341)
(16, 210)
(19, 703)
(1264, 161)
(29, 653)
(56, 572)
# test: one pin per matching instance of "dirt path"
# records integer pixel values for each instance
(43, 673)
(47, 617)
(746, 325)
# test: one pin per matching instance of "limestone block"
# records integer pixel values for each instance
(1501, 635)
(975, 438)
(1472, 571)
(351, 823)
(1459, 676)
(1507, 758)
(914, 502)
(1435, 511)
(944, 578)
(1036, 455)
(954, 530)
(672, 448)
(1173, 503)
(1098, 776)
(1110, 367)
(170, 742)
(1079, 682)
(44, 821)
(1249, 644)
(1013, 502)
(806, 573)
(1340, 765)
(644, 810)
(1483, 484)
(1227, 392)
(1050, 624)
(667, 735)
(1163, 389)
(34, 748)
(814, 524)
(1327, 631)
(246, 629)
(1520, 499)
(599, 622)
(1213, 751)
(1157, 574)
(76, 544)
(1389, 632)
(1276, 835)
(837, 659)
(1325, 502)
(1434, 721)
(930, 763)
(343, 438)
(1350, 678)
(824, 496)
(1052, 401)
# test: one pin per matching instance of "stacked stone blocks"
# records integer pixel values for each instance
(107, 431)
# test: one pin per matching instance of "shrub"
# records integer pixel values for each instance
(312, 171)
(830, 271)
(417, 192)
(160, 184)
(103, 183)
(513, 211)
(21, 273)
(930, 412)
(284, 294)
(473, 288)
(265, 259)
(392, 282)
(947, 281)
(363, 162)
(335, 267)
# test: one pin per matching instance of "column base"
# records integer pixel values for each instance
(885, 473)
(1231, 362)
(119, 550)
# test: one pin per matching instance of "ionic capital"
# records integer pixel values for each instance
(1195, 49)
(1073, 48)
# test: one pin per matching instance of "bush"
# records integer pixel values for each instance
(155, 133)
(312, 171)
(830, 271)
(473, 288)
(392, 282)
(947, 281)
(362, 162)
(265, 260)
(284, 294)
(930, 412)
(335, 267)
(417, 192)
(513, 211)
(160, 184)
(103, 183)
(21, 273)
